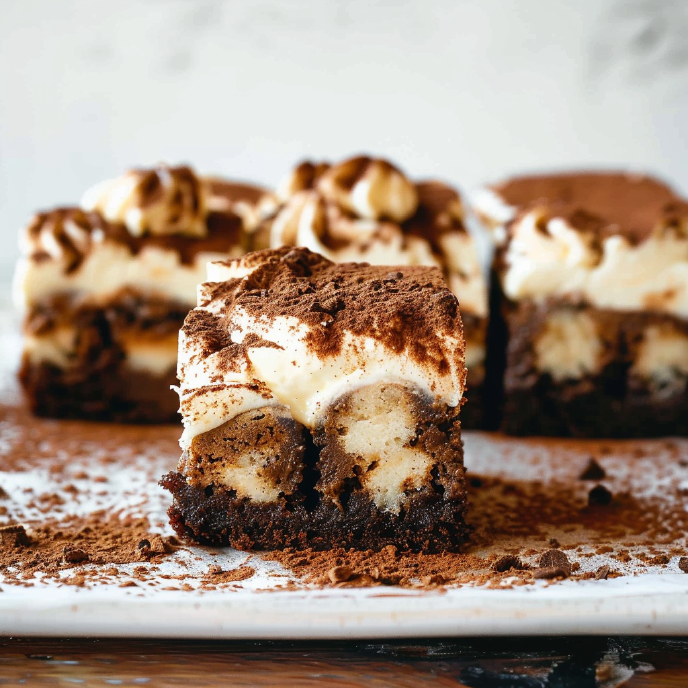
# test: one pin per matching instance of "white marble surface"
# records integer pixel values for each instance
(467, 90)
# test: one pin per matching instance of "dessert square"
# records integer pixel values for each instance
(366, 209)
(320, 404)
(590, 304)
(105, 288)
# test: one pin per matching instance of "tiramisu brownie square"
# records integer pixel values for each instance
(591, 276)
(105, 288)
(366, 209)
(320, 405)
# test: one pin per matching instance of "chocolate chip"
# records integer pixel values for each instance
(592, 471)
(683, 564)
(602, 573)
(555, 558)
(340, 574)
(507, 562)
(599, 496)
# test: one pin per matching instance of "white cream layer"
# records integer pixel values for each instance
(110, 268)
(561, 261)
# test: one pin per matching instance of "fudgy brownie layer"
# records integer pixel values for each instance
(216, 516)
(611, 402)
(106, 390)
(261, 481)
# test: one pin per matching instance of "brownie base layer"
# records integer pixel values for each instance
(216, 516)
(383, 467)
(590, 409)
(612, 402)
(113, 393)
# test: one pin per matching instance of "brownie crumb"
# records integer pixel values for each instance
(599, 496)
(436, 579)
(340, 574)
(549, 572)
(555, 559)
(74, 555)
(508, 562)
(593, 471)
(3, 493)
(683, 564)
(602, 573)
(14, 536)
(553, 542)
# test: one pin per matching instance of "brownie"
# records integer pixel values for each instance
(589, 331)
(321, 407)
(105, 288)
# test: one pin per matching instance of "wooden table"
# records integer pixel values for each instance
(484, 663)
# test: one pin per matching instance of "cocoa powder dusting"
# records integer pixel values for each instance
(524, 528)
(334, 301)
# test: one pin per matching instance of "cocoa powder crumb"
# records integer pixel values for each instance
(14, 536)
(508, 562)
(602, 573)
(339, 574)
(74, 555)
(550, 572)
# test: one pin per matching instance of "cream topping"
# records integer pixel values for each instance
(562, 260)
(163, 200)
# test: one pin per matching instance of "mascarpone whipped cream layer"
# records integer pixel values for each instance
(134, 232)
(613, 240)
(306, 347)
(366, 209)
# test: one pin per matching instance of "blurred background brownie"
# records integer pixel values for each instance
(105, 288)
(366, 209)
(590, 304)
(320, 404)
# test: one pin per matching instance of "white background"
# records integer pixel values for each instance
(468, 90)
